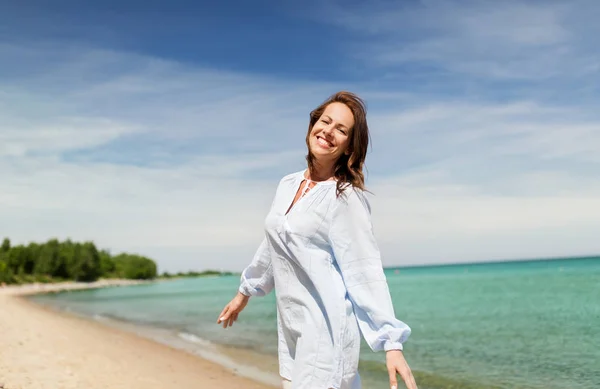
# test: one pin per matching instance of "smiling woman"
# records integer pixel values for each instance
(338, 136)
(320, 254)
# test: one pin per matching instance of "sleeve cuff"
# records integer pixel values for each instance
(393, 346)
(244, 291)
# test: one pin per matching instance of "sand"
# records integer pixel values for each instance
(43, 348)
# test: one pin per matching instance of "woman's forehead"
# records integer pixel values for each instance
(340, 113)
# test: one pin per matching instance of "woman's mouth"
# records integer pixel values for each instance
(323, 143)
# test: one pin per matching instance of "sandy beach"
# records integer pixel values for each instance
(42, 348)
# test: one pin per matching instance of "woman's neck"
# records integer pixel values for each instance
(321, 173)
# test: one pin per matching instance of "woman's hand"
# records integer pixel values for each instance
(232, 310)
(396, 364)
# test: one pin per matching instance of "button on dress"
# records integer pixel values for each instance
(323, 261)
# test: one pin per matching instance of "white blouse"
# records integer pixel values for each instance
(323, 261)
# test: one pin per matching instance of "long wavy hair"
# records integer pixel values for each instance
(348, 167)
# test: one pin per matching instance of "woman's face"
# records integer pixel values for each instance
(330, 135)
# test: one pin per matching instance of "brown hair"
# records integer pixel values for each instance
(348, 168)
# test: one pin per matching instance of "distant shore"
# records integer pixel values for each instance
(43, 348)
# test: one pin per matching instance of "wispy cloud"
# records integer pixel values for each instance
(71, 133)
(166, 102)
(509, 40)
(453, 223)
(180, 161)
(495, 131)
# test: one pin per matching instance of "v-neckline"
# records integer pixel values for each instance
(307, 189)
(301, 177)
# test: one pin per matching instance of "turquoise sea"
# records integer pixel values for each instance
(514, 325)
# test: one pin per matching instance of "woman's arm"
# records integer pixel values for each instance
(257, 277)
(357, 255)
(256, 280)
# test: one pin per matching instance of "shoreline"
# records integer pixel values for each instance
(41, 288)
(47, 348)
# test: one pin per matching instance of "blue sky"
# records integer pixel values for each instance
(163, 127)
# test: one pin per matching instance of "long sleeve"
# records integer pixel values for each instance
(257, 278)
(357, 254)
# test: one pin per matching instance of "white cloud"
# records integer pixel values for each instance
(121, 207)
(509, 40)
(61, 135)
(450, 129)
(455, 179)
(425, 217)
(93, 100)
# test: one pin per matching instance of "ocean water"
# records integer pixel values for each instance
(514, 325)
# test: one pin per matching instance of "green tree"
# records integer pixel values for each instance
(5, 245)
(66, 258)
(48, 260)
(107, 264)
(135, 267)
(86, 264)
(16, 259)
(6, 275)
(55, 260)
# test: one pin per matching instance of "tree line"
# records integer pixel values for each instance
(193, 274)
(65, 261)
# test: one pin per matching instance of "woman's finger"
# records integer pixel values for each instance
(393, 380)
(414, 383)
(409, 379)
(225, 318)
(222, 314)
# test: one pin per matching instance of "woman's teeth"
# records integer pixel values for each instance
(323, 142)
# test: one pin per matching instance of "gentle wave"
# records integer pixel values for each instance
(195, 339)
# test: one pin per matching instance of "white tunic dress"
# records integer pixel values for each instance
(324, 263)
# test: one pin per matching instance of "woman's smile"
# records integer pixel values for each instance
(323, 142)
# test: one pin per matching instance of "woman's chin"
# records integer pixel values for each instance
(319, 152)
(323, 157)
